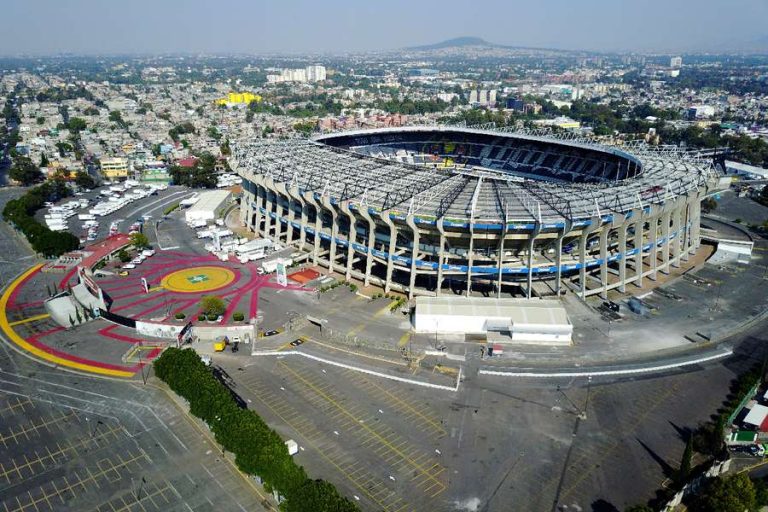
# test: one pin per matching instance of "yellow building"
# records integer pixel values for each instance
(239, 98)
(113, 168)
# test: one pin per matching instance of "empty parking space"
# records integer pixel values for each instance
(367, 431)
(54, 457)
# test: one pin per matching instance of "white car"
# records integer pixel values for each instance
(128, 266)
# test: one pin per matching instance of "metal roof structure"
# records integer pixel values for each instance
(479, 193)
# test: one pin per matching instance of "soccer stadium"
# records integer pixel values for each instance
(430, 210)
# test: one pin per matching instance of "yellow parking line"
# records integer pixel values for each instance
(384, 440)
(404, 339)
(30, 319)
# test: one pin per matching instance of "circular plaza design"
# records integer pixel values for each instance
(197, 279)
(176, 283)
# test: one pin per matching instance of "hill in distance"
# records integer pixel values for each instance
(456, 42)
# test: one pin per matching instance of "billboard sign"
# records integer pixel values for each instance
(282, 276)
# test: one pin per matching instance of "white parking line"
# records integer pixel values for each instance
(607, 373)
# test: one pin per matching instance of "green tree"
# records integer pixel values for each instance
(123, 256)
(685, 464)
(212, 305)
(117, 117)
(84, 180)
(25, 171)
(77, 124)
(44, 162)
(304, 127)
(213, 133)
(139, 240)
(727, 494)
(40, 120)
(225, 149)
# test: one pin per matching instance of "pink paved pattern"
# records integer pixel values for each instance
(242, 294)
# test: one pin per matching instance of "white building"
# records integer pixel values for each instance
(482, 97)
(208, 207)
(676, 62)
(314, 73)
(500, 320)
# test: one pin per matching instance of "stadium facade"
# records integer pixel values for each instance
(430, 210)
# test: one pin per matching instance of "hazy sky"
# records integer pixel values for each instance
(299, 26)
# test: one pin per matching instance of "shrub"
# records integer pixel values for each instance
(353, 287)
(212, 317)
(123, 256)
(170, 208)
(238, 316)
(258, 449)
(20, 213)
(180, 316)
(201, 317)
(212, 305)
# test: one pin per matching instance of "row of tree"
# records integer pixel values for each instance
(201, 175)
(20, 212)
(258, 449)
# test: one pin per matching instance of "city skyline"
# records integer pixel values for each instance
(235, 26)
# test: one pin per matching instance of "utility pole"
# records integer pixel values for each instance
(141, 365)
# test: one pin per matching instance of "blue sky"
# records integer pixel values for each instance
(302, 26)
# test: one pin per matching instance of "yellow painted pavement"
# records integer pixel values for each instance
(30, 319)
(5, 326)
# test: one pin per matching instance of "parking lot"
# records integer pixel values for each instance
(152, 206)
(382, 444)
(93, 452)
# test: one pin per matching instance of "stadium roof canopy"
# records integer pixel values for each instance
(472, 193)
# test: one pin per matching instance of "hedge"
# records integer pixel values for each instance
(171, 208)
(258, 449)
(20, 212)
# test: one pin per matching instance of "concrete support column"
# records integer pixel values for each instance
(351, 238)
(440, 256)
(391, 251)
(309, 196)
(585, 232)
(326, 202)
(604, 260)
(245, 202)
(531, 242)
(639, 225)
(559, 256)
(298, 201)
(684, 227)
(665, 221)
(696, 224)
(470, 258)
(414, 253)
(677, 214)
(623, 257)
(363, 211)
(500, 259)
(653, 253)
(260, 203)
(291, 220)
(268, 205)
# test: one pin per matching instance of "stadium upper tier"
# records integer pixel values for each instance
(474, 175)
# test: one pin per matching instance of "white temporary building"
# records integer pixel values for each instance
(756, 415)
(502, 320)
(209, 206)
